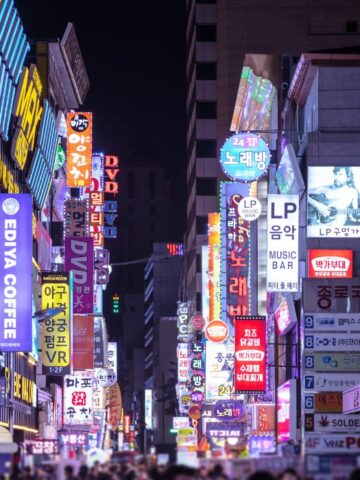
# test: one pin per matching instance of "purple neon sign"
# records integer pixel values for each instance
(79, 258)
(15, 272)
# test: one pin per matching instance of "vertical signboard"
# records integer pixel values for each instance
(56, 331)
(100, 341)
(235, 254)
(78, 398)
(286, 411)
(79, 149)
(15, 273)
(115, 406)
(112, 356)
(250, 354)
(283, 243)
(214, 266)
(83, 342)
(76, 218)
(148, 410)
(219, 370)
(79, 258)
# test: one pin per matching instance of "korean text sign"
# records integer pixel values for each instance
(330, 263)
(83, 340)
(78, 390)
(15, 273)
(250, 354)
(79, 149)
(283, 243)
(79, 258)
(219, 370)
(56, 331)
(235, 253)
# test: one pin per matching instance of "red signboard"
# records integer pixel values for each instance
(330, 263)
(250, 354)
(83, 338)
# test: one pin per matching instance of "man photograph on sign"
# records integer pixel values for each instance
(333, 199)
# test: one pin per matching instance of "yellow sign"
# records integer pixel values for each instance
(23, 389)
(28, 110)
(6, 176)
(56, 340)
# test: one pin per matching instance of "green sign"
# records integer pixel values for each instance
(60, 158)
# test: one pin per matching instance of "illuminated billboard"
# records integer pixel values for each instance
(76, 217)
(15, 273)
(286, 411)
(56, 331)
(78, 389)
(79, 258)
(235, 254)
(330, 263)
(244, 157)
(83, 342)
(219, 370)
(214, 266)
(13, 49)
(333, 205)
(79, 149)
(250, 355)
(283, 243)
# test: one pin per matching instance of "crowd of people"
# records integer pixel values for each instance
(144, 471)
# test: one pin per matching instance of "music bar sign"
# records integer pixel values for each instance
(283, 243)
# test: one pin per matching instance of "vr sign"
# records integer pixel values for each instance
(283, 243)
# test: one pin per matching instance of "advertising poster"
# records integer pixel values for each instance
(56, 331)
(235, 254)
(79, 258)
(330, 263)
(333, 202)
(283, 243)
(219, 370)
(83, 342)
(79, 149)
(78, 398)
(15, 273)
(250, 355)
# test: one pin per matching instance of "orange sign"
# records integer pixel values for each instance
(330, 263)
(115, 404)
(328, 402)
(217, 331)
(79, 149)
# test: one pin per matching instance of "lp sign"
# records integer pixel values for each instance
(283, 243)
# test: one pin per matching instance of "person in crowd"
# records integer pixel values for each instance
(355, 474)
(69, 473)
(289, 474)
(261, 475)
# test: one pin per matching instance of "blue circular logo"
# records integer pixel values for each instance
(244, 157)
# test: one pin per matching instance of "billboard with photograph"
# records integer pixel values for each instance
(333, 202)
(15, 273)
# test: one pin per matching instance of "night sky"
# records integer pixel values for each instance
(134, 53)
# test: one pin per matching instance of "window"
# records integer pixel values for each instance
(152, 184)
(206, 33)
(202, 225)
(205, 71)
(130, 184)
(206, 186)
(198, 263)
(198, 301)
(206, 148)
(205, 109)
(351, 26)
